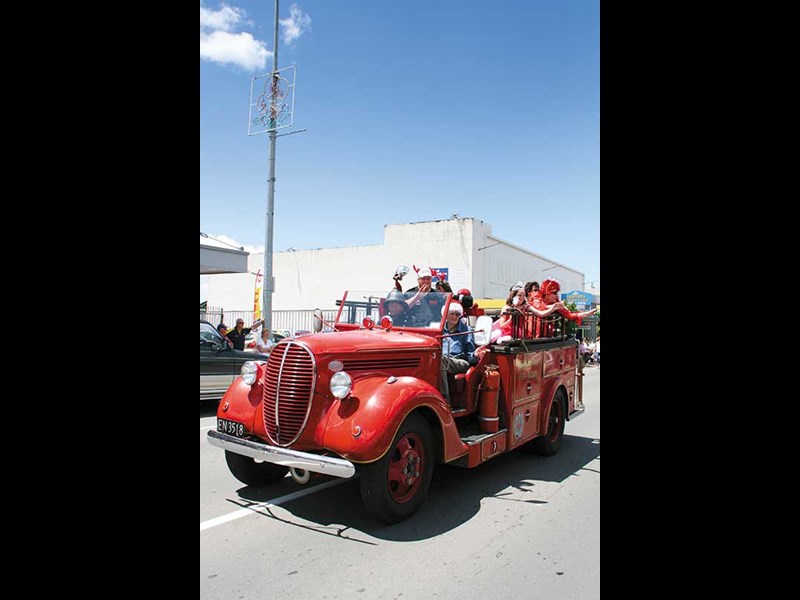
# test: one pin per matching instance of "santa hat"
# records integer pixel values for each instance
(455, 307)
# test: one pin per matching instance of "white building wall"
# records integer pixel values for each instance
(434, 244)
(307, 279)
(505, 264)
(498, 265)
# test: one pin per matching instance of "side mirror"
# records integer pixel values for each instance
(483, 330)
(317, 320)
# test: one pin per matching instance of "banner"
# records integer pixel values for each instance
(442, 275)
(257, 298)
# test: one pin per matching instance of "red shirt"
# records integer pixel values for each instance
(546, 328)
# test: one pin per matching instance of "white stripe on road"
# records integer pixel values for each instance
(276, 502)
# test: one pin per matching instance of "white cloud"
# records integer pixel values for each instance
(225, 18)
(240, 49)
(221, 42)
(297, 24)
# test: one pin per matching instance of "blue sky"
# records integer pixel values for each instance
(415, 110)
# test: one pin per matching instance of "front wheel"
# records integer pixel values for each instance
(250, 472)
(393, 487)
(550, 442)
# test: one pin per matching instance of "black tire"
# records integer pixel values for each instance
(385, 490)
(550, 442)
(253, 473)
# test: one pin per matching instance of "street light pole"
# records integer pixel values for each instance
(269, 281)
(548, 269)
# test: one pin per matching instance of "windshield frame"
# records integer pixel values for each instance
(360, 301)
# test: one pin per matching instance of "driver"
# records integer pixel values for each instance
(396, 307)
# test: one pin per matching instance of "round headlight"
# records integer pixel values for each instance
(368, 322)
(387, 322)
(249, 372)
(341, 384)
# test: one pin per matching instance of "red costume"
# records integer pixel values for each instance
(551, 286)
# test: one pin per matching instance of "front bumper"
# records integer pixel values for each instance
(327, 465)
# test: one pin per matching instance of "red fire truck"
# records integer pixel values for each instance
(363, 398)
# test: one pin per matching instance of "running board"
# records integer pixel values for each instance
(576, 413)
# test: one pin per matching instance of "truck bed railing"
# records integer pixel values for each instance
(529, 328)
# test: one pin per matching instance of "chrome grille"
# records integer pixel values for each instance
(288, 389)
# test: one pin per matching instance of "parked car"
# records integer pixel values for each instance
(250, 340)
(219, 363)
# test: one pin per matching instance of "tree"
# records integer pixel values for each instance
(571, 325)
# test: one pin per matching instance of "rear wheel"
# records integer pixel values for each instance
(550, 442)
(393, 487)
(250, 472)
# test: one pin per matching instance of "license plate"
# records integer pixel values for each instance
(230, 427)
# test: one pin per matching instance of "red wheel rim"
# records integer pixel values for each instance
(406, 467)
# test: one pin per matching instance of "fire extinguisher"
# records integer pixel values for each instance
(489, 391)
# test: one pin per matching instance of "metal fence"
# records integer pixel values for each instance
(282, 320)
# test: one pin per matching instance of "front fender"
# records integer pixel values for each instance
(240, 403)
(361, 427)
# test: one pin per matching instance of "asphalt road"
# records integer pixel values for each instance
(520, 525)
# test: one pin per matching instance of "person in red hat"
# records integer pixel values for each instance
(548, 296)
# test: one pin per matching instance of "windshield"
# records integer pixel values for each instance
(209, 334)
(407, 309)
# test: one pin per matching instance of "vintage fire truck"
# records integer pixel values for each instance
(362, 397)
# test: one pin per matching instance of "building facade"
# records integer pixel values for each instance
(473, 257)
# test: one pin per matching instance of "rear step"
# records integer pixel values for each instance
(482, 447)
(477, 438)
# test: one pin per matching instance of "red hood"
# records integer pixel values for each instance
(346, 342)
